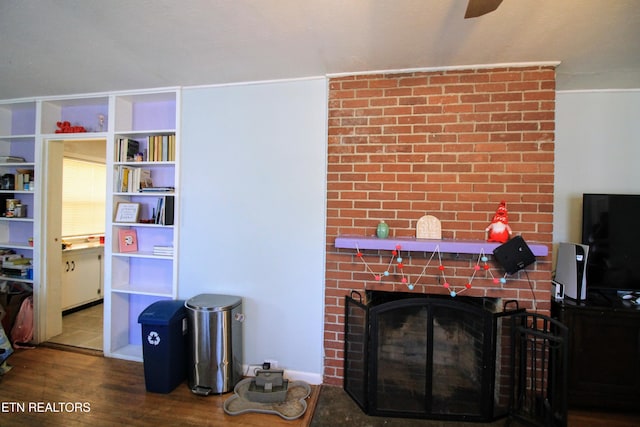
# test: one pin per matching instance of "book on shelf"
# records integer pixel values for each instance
(126, 149)
(127, 240)
(163, 250)
(145, 180)
(157, 189)
(161, 148)
(130, 179)
(23, 179)
(12, 159)
(164, 211)
(18, 271)
(16, 265)
(165, 148)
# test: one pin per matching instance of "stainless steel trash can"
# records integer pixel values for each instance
(215, 343)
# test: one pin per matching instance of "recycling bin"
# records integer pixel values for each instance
(215, 343)
(164, 345)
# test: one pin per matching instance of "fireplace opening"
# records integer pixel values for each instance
(432, 357)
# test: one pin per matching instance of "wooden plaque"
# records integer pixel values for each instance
(429, 228)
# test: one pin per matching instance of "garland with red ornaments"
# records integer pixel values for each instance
(482, 264)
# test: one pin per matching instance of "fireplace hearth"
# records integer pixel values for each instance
(430, 357)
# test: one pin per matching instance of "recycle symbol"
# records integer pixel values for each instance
(153, 338)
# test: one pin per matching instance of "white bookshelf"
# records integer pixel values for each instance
(136, 279)
(18, 140)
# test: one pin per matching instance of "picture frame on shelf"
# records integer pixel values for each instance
(127, 240)
(127, 212)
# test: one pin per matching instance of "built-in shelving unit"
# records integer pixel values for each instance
(18, 154)
(138, 278)
(427, 245)
(132, 280)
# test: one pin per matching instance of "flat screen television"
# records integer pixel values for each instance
(611, 229)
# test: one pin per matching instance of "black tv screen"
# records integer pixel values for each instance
(611, 229)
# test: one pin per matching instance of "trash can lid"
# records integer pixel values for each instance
(213, 302)
(163, 312)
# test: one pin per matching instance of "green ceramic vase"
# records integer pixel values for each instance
(383, 230)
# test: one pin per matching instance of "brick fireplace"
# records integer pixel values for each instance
(452, 144)
(433, 357)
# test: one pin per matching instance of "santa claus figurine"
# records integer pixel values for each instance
(499, 230)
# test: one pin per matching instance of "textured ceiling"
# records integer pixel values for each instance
(65, 47)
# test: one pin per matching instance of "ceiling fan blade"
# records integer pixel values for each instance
(477, 8)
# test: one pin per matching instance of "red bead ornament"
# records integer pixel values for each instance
(481, 264)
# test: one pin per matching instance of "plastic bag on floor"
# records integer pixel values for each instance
(22, 331)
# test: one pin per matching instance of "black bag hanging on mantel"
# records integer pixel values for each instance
(514, 255)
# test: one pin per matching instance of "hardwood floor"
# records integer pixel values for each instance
(584, 418)
(51, 387)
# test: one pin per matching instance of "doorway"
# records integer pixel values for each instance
(82, 328)
(74, 267)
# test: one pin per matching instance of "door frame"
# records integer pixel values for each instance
(48, 302)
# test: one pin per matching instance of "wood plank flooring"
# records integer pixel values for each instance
(79, 388)
(51, 387)
(585, 418)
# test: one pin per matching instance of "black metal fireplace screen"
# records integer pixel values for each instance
(539, 379)
(431, 357)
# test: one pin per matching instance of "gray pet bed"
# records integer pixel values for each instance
(294, 405)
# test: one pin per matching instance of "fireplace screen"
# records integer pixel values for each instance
(418, 356)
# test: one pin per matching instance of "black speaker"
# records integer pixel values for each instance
(514, 255)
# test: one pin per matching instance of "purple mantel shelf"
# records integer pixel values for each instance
(427, 245)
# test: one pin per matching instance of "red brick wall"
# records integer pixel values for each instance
(452, 144)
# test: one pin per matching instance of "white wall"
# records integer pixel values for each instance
(597, 151)
(253, 186)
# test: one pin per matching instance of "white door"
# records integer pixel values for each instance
(49, 316)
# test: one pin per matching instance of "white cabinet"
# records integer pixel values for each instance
(146, 126)
(82, 277)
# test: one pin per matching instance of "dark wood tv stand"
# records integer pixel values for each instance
(604, 352)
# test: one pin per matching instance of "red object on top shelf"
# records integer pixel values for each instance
(65, 127)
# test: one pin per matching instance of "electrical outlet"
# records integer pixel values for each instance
(272, 362)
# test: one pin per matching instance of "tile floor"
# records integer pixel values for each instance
(82, 329)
